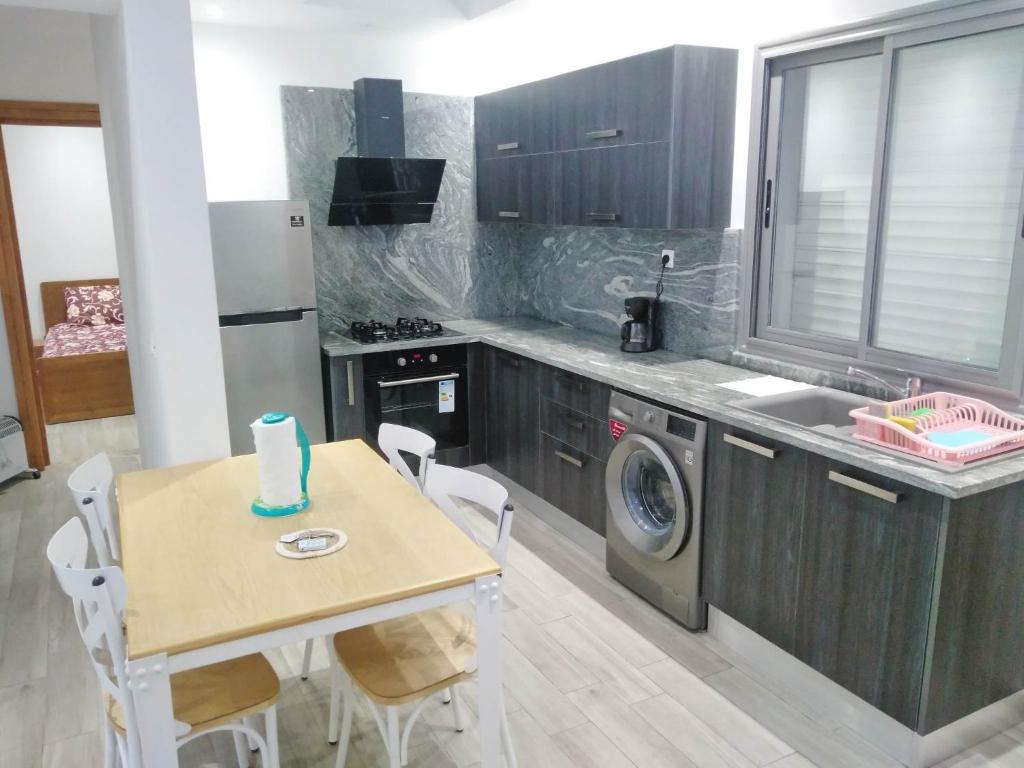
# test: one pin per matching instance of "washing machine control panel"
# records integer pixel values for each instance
(683, 428)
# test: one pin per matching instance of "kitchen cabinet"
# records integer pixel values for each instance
(580, 430)
(574, 391)
(628, 101)
(511, 426)
(518, 189)
(343, 397)
(866, 568)
(573, 481)
(623, 186)
(516, 121)
(664, 121)
(754, 508)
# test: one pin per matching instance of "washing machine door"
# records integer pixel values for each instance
(647, 497)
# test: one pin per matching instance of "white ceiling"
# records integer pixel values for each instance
(352, 16)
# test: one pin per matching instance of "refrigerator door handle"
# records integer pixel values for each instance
(263, 317)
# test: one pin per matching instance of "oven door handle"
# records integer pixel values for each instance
(420, 380)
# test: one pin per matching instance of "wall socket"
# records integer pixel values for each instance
(669, 254)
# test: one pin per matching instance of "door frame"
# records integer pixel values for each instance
(12, 279)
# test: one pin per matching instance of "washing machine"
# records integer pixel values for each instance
(655, 487)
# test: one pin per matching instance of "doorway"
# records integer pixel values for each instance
(58, 270)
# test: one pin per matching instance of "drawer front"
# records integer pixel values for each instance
(576, 429)
(576, 392)
(573, 481)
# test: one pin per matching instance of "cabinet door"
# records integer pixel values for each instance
(753, 515)
(512, 416)
(577, 392)
(516, 121)
(621, 102)
(573, 481)
(616, 187)
(867, 565)
(346, 411)
(516, 189)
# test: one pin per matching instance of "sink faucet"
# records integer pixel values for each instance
(911, 387)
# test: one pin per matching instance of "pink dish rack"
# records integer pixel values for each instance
(950, 413)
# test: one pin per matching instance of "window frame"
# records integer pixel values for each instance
(884, 35)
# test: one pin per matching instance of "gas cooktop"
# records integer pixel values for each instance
(375, 332)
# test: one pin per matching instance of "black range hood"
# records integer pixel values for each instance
(381, 185)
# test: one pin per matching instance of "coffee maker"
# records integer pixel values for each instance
(638, 330)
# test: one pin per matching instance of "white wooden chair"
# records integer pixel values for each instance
(220, 697)
(394, 440)
(413, 658)
(92, 486)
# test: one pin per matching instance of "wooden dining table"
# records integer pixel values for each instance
(205, 583)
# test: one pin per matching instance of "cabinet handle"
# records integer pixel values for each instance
(760, 450)
(508, 214)
(569, 459)
(607, 133)
(868, 488)
(350, 365)
(577, 425)
(508, 146)
(604, 216)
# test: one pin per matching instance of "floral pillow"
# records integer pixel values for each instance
(94, 304)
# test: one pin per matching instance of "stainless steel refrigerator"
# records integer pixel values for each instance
(266, 299)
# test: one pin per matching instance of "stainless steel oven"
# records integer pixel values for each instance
(423, 388)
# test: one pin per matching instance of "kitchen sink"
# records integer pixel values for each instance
(819, 408)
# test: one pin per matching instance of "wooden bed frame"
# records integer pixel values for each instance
(78, 387)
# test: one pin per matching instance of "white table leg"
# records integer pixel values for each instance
(488, 623)
(151, 692)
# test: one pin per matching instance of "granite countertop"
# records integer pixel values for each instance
(689, 384)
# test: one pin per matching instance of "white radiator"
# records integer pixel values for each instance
(13, 459)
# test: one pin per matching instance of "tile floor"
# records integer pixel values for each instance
(594, 677)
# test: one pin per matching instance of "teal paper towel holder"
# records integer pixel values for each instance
(283, 510)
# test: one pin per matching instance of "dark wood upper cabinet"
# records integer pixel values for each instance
(664, 118)
(516, 189)
(625, 186)
(516, 121)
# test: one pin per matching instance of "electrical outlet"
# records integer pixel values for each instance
(670, 255)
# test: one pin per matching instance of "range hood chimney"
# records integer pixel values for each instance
(382, 185)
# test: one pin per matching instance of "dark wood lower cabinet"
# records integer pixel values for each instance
(511, 407)
(752, 523)
(867, 565)
(573, 481)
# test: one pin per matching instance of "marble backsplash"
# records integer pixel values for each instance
(457, 268)
(451, 268)
(581, 275)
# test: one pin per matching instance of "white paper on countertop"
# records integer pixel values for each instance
(759, 386)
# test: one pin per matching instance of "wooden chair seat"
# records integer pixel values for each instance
(218, 694)
(410, 657)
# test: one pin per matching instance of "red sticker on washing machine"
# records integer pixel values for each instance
(617, 428)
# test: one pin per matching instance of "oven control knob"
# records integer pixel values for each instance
(433, 357)
(401, 362)
(648, 416)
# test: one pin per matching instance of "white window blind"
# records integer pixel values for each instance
(952, 197)
(828, 126)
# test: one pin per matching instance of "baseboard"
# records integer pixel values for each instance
(569, 527)
(874, 726)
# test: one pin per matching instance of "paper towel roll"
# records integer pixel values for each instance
(279, 463)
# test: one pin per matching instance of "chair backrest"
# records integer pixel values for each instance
(98, 597)
(394, 439)
(445, 484)
(92, 486)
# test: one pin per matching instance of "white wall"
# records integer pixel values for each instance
(61, 207)
(240, 70)
(44, 56)
(162, 228)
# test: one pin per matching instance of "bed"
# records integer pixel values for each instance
(81, 370)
